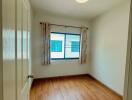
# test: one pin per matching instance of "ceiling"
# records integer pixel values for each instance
(70, 8)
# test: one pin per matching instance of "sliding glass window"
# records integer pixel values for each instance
(64, 46)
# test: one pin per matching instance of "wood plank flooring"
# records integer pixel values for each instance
(71, 88)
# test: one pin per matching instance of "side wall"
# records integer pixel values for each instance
(128, 78)
(109, 46)
(57, 68)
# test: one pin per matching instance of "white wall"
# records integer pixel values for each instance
(57, 68)
(109, 46)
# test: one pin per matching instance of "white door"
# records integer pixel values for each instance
(19, 49)
(9, 57)
(1, 61)
(15, 49)
(25, 50)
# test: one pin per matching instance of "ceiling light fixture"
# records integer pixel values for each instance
(81, 1)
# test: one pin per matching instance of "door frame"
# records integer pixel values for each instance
(128, 73)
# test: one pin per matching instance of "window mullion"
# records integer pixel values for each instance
(64, 46)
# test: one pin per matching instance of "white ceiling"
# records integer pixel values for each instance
(70, 8)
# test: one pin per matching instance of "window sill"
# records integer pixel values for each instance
(65, 59)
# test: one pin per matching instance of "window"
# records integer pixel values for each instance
(64, 46)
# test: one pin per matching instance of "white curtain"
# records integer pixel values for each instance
(45, 28)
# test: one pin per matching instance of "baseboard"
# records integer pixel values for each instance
(106, 86)
(83, 75)
(65, 76)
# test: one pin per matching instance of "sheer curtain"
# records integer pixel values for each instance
(83, 45)
(45, 28)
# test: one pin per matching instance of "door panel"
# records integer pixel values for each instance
(8, 32)
(19, 49)
(1, 60)
(25, 51)
(29, 47)
(15, 50)
(25, 44)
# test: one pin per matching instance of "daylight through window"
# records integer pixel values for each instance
(64, 46)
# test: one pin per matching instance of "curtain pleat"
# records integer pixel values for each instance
(46, 42)
(83, 45)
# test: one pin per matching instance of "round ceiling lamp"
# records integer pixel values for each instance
(81, 1)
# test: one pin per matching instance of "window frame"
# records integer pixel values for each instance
(65, 58)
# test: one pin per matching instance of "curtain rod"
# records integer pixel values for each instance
(64, 25)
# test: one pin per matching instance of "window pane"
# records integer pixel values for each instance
(57, 45)
(72, 47)
(75, 45)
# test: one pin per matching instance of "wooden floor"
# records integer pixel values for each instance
(71, 88)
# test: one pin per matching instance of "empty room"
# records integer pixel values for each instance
(65, 50)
